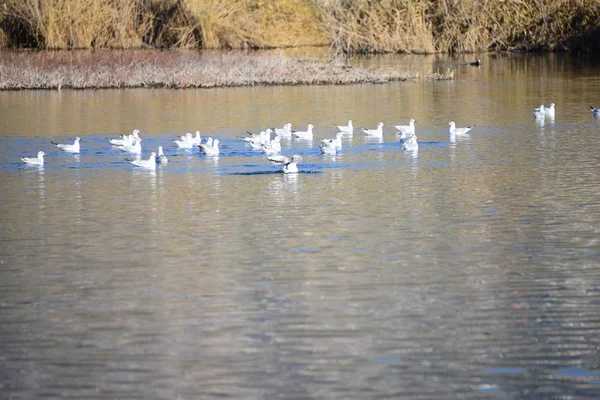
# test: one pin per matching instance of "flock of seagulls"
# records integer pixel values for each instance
(268, 141)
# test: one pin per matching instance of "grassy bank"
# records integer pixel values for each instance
(179, 69)
(421, 26)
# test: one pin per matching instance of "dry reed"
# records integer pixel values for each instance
(179, 69)
(418, 26)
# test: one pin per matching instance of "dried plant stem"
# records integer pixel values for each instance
(180, 69)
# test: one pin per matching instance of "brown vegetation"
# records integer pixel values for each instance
(461, 26)
(179, 69)
(422, 26)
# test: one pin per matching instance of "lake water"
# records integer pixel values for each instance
(468, 270)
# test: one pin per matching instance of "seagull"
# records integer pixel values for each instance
(286, 131)
(185, 142)
(272, 147)
(125, 140)
(150, 163)
(197, 139)
(337, 141)
(210, 150)
(257, 139)
(289, 163)
(595, 111)
(291, 167)
(306, 135)
(278, 159)
(410, 128)
(328, 147)
(374, 132)
(39, 160)
(549, 111)
(408, 141)
(69, 148)
(161, 158)
(459, 131)
(347, 129)
(539, 112)
(135, 147)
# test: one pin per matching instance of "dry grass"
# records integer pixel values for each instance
(417, 26)
(84, 24)
(461, 26)
(179, 69)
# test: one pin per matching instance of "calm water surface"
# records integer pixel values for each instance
(468, 270)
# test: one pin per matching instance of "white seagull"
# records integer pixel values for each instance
(374, 132)
(289, 163)
(272, 147)
(39, 160)
(160, 157)
(328, 148)
(539, 112)
(306, 135)
(291, 167)
(150, 163)
(185, 142)
(125, 140)
(210, 150)
(135, 147)
(69, 148)
(459, 131)
(278, 159)
(410, 128)
(286, 131)
(337, 141)
(408, 141)
(346, 129)
(549, 111)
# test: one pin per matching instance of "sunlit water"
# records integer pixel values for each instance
(468, 270)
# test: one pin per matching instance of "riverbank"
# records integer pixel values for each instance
(183, 69)
(360, 26)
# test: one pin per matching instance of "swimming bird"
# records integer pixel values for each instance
(69, 148)
(337, 141)
(346, 129)
(476, 63)
(210, 150)
(135, 147)
(286, 131)
(125, 140)
(410, 128)
(150, 163)
(549, 111)
(374, 132)
(291, 167)
(408, 141)
(539, 112)
(255, 140)
(160, 157)
(595, 111)
(272, 147)
(185, 142)
(305, 135)
(459, 131)
(328, 147)
(278, 159)
(39, 160)
(197, 139)
(290, 164)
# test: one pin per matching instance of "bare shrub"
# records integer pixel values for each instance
(179, 69)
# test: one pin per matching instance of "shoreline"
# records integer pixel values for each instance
(176, 69)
